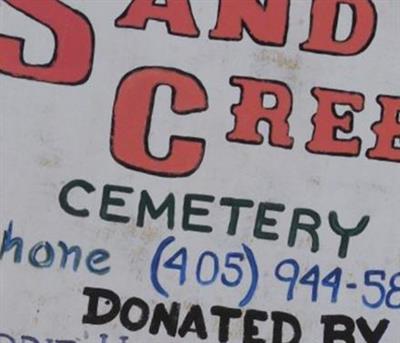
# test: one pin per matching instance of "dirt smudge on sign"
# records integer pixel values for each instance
(279, 59)
(49, 162)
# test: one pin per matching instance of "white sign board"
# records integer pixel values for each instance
(187, 171)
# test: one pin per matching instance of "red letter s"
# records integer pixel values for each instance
(71, 63)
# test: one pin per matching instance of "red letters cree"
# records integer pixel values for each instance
(267, 24)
